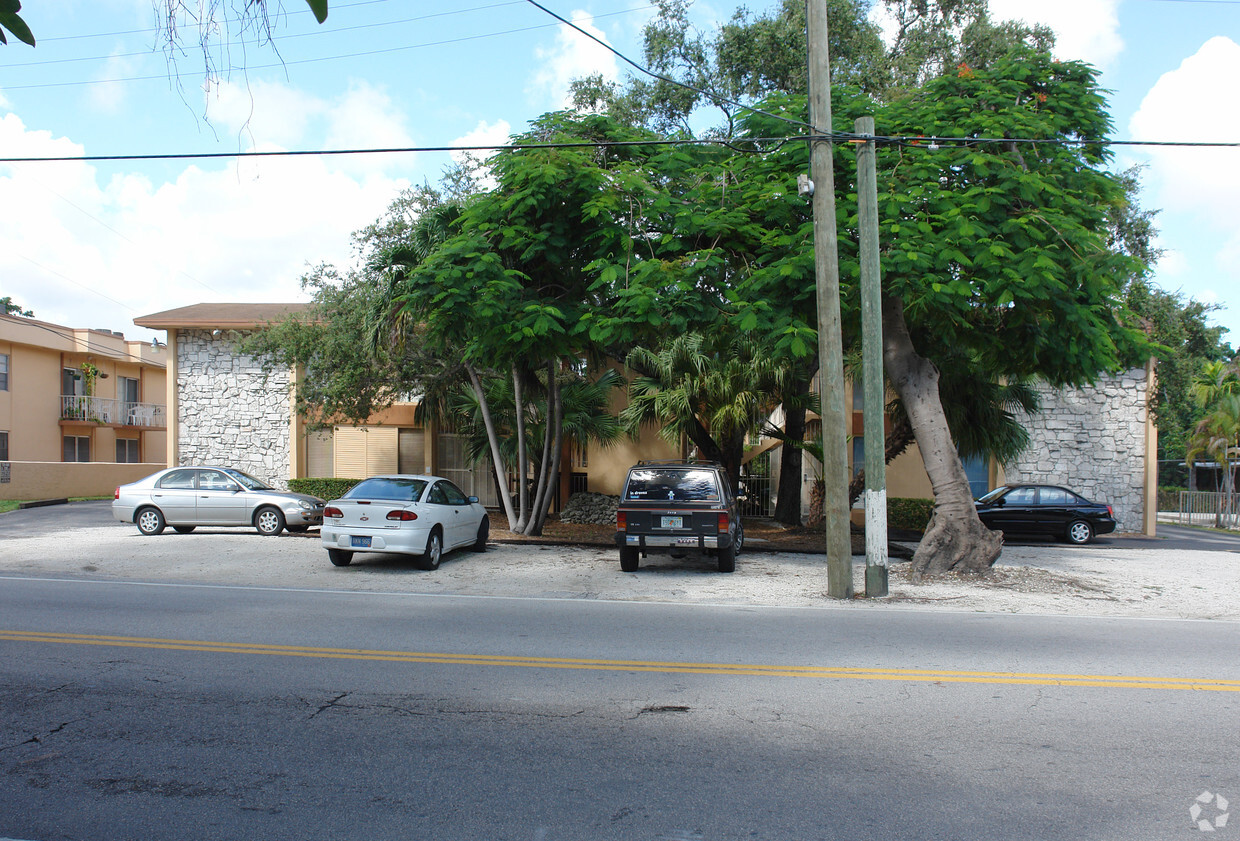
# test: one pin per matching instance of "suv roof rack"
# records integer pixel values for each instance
(679, 462)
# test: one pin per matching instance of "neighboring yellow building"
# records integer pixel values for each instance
(81, 411)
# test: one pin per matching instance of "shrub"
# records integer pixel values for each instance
(323, 488)
(908, 513)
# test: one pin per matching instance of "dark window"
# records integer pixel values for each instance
(386, 487)
(1055, 496)
(77, 448)
(1021, 496)
(654, 484)
(437, 496)
(127, 451)
(452, 494)
(179, 479)
(4, 372)
(4, 446)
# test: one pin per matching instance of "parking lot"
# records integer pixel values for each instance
(1119, 576)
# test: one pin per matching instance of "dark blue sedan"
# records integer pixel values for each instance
(1046, 510)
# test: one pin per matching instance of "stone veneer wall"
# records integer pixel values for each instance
(1093, 441)
(229, 412)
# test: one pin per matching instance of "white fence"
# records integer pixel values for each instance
(1205, 508)
(111, 410)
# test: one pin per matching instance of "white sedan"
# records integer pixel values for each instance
(424, 516)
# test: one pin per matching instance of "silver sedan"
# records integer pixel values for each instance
(403, 514)
(188, 497)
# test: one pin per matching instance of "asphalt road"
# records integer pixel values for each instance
(142, 710)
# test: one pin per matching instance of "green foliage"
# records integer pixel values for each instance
(12, 21)
(10, 308)
(323, 488)
(909, 513)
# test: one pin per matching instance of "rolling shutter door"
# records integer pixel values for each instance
(362, 451)
(412, 455)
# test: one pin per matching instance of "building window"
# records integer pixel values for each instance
(858, 454)
(127, 451)
(4, 446)
(77, 448)
(4, 372)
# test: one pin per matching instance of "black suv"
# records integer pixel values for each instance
(678, 507)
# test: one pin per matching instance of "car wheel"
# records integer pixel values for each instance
(296, 529)
(269, 521)
(484, 532)
(434, 551)
(150, 521)
(339, 557)
(629, 558)
(727, 559)
(739, 542)
(1080, 532)
(183, 529)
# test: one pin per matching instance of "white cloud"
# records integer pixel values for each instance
(108, 95)
(1086, 30)
(85, 250)
(573, 56)
(484, 135)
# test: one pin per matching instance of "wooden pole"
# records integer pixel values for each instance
(872, 365)
(830, 334)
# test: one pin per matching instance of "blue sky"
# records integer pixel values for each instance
(98, 244)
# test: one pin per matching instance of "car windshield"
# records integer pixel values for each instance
(388, 487)
(657, 483)
(248, 481)
(991, 496)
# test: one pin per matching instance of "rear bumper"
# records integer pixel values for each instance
(673, 541)
(401, 541)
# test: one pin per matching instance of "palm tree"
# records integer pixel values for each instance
(1217, 379)
(712, 391)
(1218, 435)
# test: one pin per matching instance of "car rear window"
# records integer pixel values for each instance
(663, 484)
(401, 490)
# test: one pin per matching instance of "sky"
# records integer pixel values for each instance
(100, 243)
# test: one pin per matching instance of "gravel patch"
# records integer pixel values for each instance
(1091, 581)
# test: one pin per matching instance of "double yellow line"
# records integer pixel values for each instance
(722, 669)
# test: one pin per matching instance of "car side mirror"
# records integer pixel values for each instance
(741, 497)
(1001, 501)
(473, 499)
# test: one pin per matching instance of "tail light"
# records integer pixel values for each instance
(724, 521)
(1110, 511)
(622, 521)
(332, 511)
(117, 494)
(404, 516)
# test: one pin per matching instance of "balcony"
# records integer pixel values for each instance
(111, 412)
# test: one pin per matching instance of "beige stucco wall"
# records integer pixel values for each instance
(31, 480)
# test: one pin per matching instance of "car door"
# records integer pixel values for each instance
(1017, 514)
(454, 511)
(1053, 510)
(221, 500)
(175, 494)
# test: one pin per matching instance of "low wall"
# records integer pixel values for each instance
(54, 479)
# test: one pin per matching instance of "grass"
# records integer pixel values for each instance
(7, 505)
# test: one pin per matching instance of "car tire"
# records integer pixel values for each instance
(296, 529)
(630, 560)
(1080, 532)
(739, 542)
(434, 551)
(269, 521)
(484, 532)
(727, 558)
(183, 529)
(149, 521)
(339, 557)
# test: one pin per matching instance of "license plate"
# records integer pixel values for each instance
(362, 542)
(673, 522)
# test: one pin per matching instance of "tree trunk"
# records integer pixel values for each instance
(955, 539)
(788, 497)
(523, 491)
(556, 413)
(493, 439)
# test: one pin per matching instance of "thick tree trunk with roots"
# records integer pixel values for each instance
(955, 539)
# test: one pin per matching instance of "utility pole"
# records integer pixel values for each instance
(830, 335)
(872, 364)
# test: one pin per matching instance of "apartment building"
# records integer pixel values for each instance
(81, 410)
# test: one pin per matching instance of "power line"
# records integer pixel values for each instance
(918, 141)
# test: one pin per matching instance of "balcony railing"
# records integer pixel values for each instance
(111, 411)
